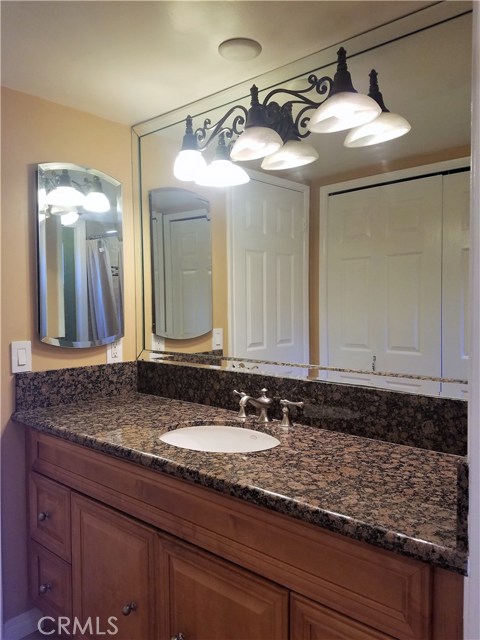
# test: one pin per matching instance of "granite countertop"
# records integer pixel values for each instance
(392, 496)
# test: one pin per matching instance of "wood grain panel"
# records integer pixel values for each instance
(49, 515)
(209, 599)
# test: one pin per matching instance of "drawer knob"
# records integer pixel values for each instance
(178, 636)
(43, 515)
(128, 608)
(43, 588)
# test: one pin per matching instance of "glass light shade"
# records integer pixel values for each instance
(294, 153)
(42, 198)
(68, 219)
(97, 202)
(343, 110)
(386, 127)
(256, 142)
(188, 165)
(222, 173)
(65, 197)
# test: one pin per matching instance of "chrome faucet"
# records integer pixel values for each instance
(262, 403)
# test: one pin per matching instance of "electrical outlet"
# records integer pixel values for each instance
(115, 352)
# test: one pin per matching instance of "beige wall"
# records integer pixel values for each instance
(35, 131)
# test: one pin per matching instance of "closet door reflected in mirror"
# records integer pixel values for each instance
(80, 256)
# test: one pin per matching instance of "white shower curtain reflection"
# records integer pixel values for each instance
(104, 320)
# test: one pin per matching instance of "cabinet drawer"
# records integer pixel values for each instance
(310, 620)
(49, 515)
(50, 581)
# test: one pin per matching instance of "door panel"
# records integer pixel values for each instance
(384, 280)
(455, 310)
(268, 272)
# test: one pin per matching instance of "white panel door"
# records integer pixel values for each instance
(268, 272)
(411, 277)
(187, 274)
(455, 308)
(384, 282)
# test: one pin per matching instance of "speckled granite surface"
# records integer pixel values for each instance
(439, 424)
(395, 497)
(63, 386)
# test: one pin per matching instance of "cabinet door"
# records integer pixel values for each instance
(312, 621)
(113, 568)
(205, 598)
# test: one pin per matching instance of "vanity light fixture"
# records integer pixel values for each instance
(386, 126)
(293, 152)
(222, 172)
(344, 108)
(276, 132)
(64, 193)
(189, 163)
(61, 191)
(95, 201)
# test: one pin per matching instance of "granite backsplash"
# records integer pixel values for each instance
(438, 424)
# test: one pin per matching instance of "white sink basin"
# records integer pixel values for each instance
(220, 439)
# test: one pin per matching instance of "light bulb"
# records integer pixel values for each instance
(256, 142)
(294, 153)
(189, 163)
(222, 173)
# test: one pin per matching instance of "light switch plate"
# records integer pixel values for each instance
(217, 339)
(21, 356)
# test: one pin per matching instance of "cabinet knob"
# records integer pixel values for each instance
(43, 515)
(128, 608)
(43, 588)
(178, 636)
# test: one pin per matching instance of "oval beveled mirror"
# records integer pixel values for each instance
(80, 256)
(180, 231)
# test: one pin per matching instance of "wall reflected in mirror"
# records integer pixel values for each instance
(79, 255)
(181, 263)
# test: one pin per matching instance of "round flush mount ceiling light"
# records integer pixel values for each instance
(239, 49)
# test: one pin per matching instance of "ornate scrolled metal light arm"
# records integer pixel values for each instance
(209, 131)
(275, 114)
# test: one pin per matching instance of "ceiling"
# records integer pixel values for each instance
(131, 61)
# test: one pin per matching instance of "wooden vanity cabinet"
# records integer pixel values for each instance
(113, 569)
(170, 559)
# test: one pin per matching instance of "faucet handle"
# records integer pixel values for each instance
(241, 412)
(286, 421)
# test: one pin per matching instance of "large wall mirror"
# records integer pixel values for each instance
(427, 83)
(80, 256)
